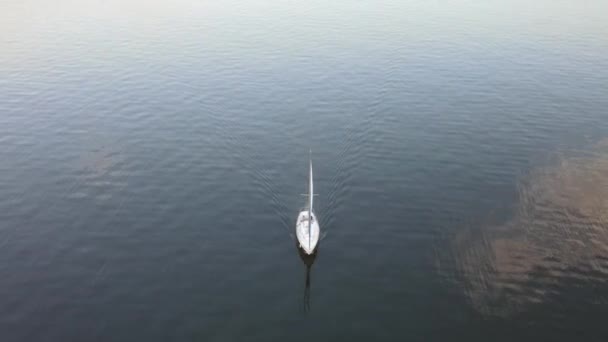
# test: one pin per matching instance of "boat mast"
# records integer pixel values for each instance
(310, 194)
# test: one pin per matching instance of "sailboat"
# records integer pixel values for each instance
(307, 225)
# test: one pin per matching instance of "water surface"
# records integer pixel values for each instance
(153, 156)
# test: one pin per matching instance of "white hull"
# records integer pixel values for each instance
(308, 244)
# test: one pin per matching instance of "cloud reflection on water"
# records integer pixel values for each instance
(559, 231)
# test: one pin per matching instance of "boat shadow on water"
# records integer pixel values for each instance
(308, 260)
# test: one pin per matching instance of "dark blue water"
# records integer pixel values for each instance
(152, 157)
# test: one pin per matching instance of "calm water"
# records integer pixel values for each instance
(153, 155)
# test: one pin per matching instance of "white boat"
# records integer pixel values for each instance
(307, 226)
